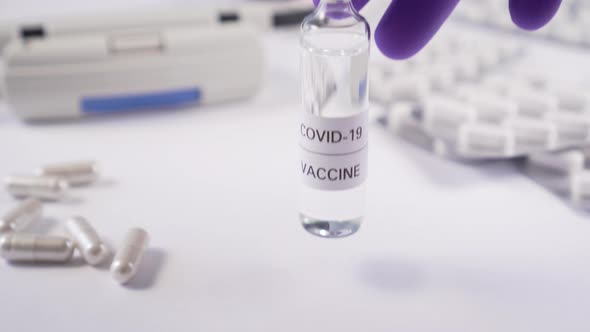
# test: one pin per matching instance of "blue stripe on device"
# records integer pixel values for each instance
(136, 102)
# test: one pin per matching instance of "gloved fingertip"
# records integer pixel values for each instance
(533, 14)
(359, 4)
(408, 25)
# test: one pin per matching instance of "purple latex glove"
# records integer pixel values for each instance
(408, 25)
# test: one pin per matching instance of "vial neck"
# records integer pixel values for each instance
(334, 2)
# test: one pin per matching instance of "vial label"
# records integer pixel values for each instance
(333, 151)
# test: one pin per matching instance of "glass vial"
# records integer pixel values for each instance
(333, 126)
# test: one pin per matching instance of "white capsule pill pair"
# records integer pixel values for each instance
(127, 259)
(41, 248)
(52, 181)
(22, 247)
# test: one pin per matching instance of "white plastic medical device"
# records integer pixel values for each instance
(75, 75)
(260, 15)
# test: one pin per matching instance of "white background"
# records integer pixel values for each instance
(445, 246)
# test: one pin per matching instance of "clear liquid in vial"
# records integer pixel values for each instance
(334, 70)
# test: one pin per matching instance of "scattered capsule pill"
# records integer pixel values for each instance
(87, 240)
(129, 256)
(21, 247)
(21, 216)
(75, 173)
(42, 187)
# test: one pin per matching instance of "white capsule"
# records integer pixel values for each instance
(87, 240)
(443, 116)
(572, 128)
(487, 57)
(76, 173)
(17, 219)
(401, 116)
(471, 12)
(559, 162)
(571, 98)
(403, 121)
(529, 78)
(413, 88)
(533, 103)
(532, 134)
(440, 76)
(419, 61)
(466, 67)
(42, 187)
(439, 49)
(502, 84)
(566, 32)
(379, 91)
(21, 247)
(478, 140)
(489, 107)
(509, 48)
(129, 256)
(390, 68)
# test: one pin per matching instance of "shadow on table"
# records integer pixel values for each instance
(390, 275)
(149, 269)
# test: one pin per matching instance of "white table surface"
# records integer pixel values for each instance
(445, 246)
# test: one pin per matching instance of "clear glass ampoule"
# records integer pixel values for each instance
(333, 128)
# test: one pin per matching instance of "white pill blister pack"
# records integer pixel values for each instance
(469, 99)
